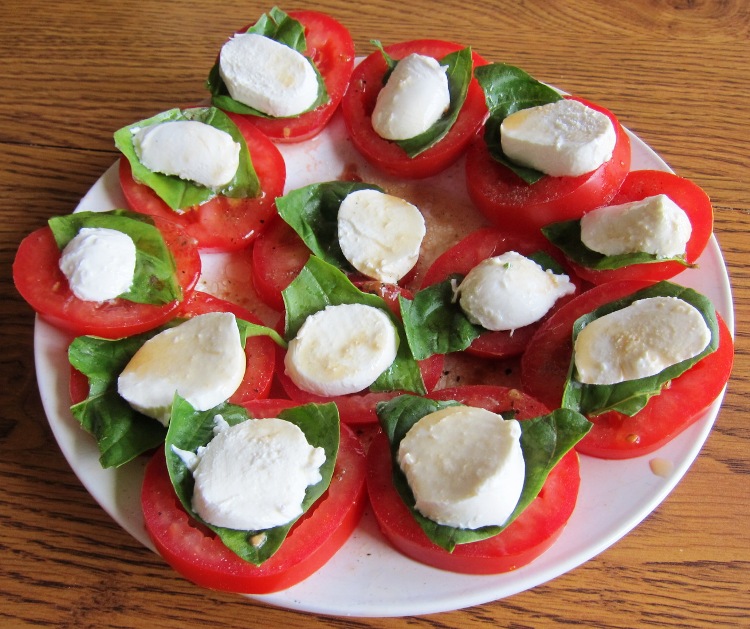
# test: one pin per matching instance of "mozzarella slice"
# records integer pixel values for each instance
(188, 149)
(655, 225)
(380, 234)
(465, 466)
(267, 75)
(202, 359)
(253, 475)
(414, 98)
(510, 291)
(563, 139)
(640, 340)
(99, 263)
(341, 349)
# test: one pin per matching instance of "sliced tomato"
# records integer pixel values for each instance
(331, 48)
(510, 203)
(223, 223)
(359, 102)
(545, 364)
(486, 243)
(198, 555)
(533, 532)
(39, 280)
(640, 184)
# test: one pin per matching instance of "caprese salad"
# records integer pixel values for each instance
(256, 477)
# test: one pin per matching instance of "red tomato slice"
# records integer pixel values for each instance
(43, 285)
(510, 203)
(640, 184)
(359, 101)
(544, 368)
(221, 224)
(486, 243)
(331, 48)
(198, 555)
(529, 536)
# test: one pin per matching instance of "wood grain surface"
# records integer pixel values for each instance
(674, 71)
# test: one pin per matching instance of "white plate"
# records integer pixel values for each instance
(367, 577)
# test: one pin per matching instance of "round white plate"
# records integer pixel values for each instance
(367, 577)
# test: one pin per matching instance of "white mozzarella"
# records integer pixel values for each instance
(465, 466)
(341, 349)
(99, 263)
(188, 149)
(380, 234)
(510, 291)
(267, 75)
(414, 98)
(639, 341)
(563, 139)
(655, 225)
(253, 475)
(202, 359)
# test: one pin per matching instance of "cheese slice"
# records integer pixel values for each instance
(380, 234)
(640, 340)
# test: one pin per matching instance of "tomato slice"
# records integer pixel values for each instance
(43, 285)
(198, 555)
(359, 102)
(525, 539)
(640, 184)
(486, 243)
(545, 364)
(510, 203)
(221, 224)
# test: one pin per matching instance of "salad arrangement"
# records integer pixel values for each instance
(465, 299)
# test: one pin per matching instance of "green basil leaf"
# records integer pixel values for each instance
(390, 62)
(278, 26)
(566, 236)
(544, 441)
(181, 194)
(312, 211)
(459, 73)
(508, 89)
(190, 429)
(631, 396)
(320, 284)
(435, 323)
(155, 280)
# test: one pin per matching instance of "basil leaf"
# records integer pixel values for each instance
(544, 441)
(190, 429)
(631, 396)
(320, 284)
(278, 26)
(155, 279)
(508, 89)
(566, 236)
(390, 62)
(181, 194)
(435, 323)
(459, 73)
(312, 211)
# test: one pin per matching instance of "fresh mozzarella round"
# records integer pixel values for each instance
(465, 466)
(380, 234)
(510, 291)
(640, 340)
(99, 263)
(253, 475)
(267, 75)
(188, 149)
(414, 98)
(202, 359)
(563, 139)
(655, 225)
(341, 349)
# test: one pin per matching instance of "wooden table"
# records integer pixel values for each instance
(72, 72)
